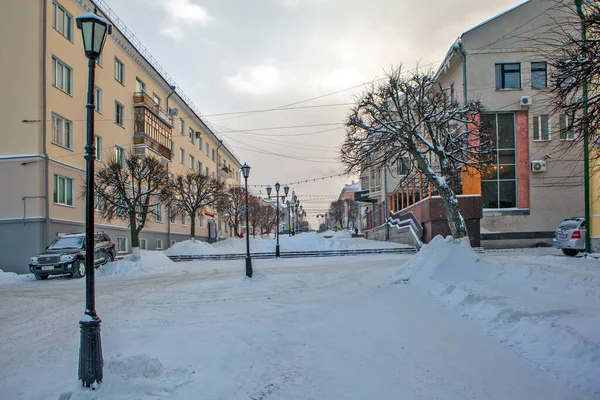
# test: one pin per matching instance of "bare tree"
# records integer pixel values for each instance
(254, 212)
(337, 210)
(268, 218)
(411, 117)
(131, 190)
(192, 192)
(231, 206)
(352, 212)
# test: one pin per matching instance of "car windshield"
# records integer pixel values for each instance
(569, 224)
(68, 242)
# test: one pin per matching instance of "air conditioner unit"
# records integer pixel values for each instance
(198, 133)
(538, 166)
(525, 101)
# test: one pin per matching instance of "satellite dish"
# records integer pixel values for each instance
(174, 111)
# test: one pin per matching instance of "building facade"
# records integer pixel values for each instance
(138, 110)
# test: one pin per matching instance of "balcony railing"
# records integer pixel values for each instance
(150, 128)
(142, 98)
(225, 171)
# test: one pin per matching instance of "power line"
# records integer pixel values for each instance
(278, 109)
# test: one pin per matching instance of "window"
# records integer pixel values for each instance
(62, 131)
(63, 190)
(171, 177)
(119, 114)
(98, 99)
(122, 245)
(172, 215)
(213, 175)
(173, 242)
(183, 218)
(541, 127)
(199, 167)
(182, 126)
(508, 76)
(539, 75)
(119, 71)
(159, 244)
(202, 221)
(207, 172)
(200, 143)
(143, 244)
(62, 76)
(98, 146)
(219, 160)
(452, 92)
(120, 156)
(213, 154)
(403, 166)
(63, 21)
(157, 99)
(182, 156)
(192, 162)
(499, 184)
(140, 86)
(566, 130)
(99, 204)
(159, 214)
(207, 150)
(192, 134)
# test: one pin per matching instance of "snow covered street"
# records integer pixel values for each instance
(330, 328)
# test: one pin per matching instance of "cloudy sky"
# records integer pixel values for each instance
(240, 55)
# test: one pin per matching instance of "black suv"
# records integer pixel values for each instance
(66, 255)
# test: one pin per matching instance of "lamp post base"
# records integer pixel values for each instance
(90, 351)
(248, 267)
(277, 253)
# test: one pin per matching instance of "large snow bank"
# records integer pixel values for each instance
(342, 235)
(11, 277)
(149, 261)
(550, 316)
(328, 234)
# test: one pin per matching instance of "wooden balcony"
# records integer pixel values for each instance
(151, 129)
(225, 171)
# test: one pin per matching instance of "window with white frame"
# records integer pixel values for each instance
(157, 99)
(173, 242)
(172, 215)
(119, 71)
(122, 245)
(183, 218)
(159, 214)
(200, 143)
(62, 21)
(119, 114)
(140, 86)
(99, 204)
(62, 76)
(62, 131)
(159, 244)
(202, 221)
(508, 76)
(98, 147)
(98, 99)
(63, 190)
(214, 175)
(207, 172)
(182, 155)
(213, 154)
(207, 149)
(120, 156)
(541, 128)
(143, 244)
(566, 128)
(192, 134)
(182, 126)
(539, 75)
(192, 162)
(199, 167)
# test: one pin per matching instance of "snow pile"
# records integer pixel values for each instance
(342, 235)
(550, 315)
(149, 261)
(138, 376)
(11, 277)
(328, 234)
(188, 247)
(238, 245)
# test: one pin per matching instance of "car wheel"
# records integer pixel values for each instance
(41, 277)
(79, 271)
(108, 258)
(570, 252)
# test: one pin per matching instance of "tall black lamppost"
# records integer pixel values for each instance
(94, 30)
(298, 212)
(246, 173)
(277, 187)
(289, 207)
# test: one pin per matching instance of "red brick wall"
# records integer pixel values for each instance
(522, 159)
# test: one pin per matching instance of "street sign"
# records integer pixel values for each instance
(361, 195)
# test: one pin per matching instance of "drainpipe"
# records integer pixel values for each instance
(44, 117)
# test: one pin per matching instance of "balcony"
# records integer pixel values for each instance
(153, 129)
(225, 171)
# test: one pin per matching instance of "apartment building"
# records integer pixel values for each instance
(138, 110)
(536, 179)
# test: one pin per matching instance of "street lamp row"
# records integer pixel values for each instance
(286, 190)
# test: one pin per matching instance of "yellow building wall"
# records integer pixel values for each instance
(595, 194)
